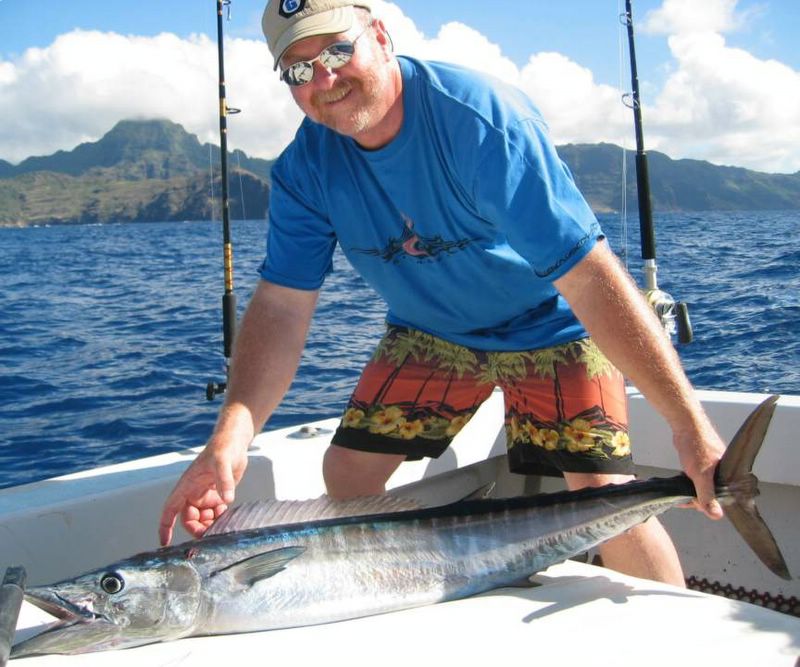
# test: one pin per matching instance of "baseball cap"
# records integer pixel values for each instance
(287, 21)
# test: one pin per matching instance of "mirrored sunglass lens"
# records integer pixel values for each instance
(337, 55)
(299, 73)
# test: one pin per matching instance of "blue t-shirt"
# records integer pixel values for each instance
(460, 223)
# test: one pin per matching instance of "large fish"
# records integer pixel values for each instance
(243, 576)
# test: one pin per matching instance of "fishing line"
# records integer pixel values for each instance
(623, 208)
(241, 185)
(211, 179)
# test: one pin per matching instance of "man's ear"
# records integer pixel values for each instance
(383, 37)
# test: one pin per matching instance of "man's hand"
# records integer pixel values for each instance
(699, 451)
(269, 343)
(607, 302)
(203, 492)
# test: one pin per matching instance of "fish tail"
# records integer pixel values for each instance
(737, 488)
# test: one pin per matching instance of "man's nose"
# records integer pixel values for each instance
(323, 73)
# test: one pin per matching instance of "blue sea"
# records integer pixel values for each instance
(109, 333)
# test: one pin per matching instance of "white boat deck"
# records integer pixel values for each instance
(580, 615)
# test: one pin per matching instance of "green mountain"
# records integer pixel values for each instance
(139, 171)
(141, 149)
(676, 185)
(154, 170)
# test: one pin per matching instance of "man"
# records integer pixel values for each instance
(442, 188)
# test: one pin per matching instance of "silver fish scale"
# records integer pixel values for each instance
(336, 569)
(375, 566)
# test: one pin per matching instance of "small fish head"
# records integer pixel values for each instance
(128, 604)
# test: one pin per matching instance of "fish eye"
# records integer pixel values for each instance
(112, 583)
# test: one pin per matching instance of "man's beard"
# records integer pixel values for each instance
(363, 112)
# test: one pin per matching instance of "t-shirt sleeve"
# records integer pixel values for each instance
(524, 188)
(300, 238)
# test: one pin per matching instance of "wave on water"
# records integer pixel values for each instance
(109, 333)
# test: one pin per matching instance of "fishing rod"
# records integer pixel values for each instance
(228, 298)
(674, 316)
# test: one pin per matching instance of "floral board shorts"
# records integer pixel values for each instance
(565, 406)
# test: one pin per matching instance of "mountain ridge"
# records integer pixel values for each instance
(154, 170)
(676, 184)
(139, 171)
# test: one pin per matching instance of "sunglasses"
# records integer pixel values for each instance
(332, 57)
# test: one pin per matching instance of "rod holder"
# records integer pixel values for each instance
(11, 593)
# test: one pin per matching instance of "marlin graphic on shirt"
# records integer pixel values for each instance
(412, 244)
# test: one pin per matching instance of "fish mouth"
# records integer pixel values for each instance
(76, 630)
(63, 609)
(70, 635)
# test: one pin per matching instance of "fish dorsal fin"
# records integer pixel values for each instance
(265, 513)
(261, 566)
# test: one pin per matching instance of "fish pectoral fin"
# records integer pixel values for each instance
(261, 566)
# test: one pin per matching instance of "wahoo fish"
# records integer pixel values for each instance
(284, 564)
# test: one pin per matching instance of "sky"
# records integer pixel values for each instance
(720, 79)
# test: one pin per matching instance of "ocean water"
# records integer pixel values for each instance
(109, 333)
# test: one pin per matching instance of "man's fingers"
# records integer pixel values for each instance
(226, 485)
(173, 507)
(712, 509)
(165, 527)
(706, 502)
(201, 495)
(195, 528)
(190, 513)
(208, 515)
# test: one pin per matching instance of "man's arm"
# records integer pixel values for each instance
(617, 317)
(266, 354)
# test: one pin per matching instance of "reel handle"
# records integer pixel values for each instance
(674, 316)
(684, 323)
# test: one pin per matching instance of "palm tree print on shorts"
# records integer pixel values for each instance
(421, 386)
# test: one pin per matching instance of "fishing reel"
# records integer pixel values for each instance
(214, 389)
(673, 315)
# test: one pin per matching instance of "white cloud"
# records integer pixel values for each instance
(76, 89)
(717, 103)
(721, 103)
(576, 108)
(7, 74)
(460, 44)
(687, 16)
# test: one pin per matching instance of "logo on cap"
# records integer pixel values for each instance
(290, 7)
